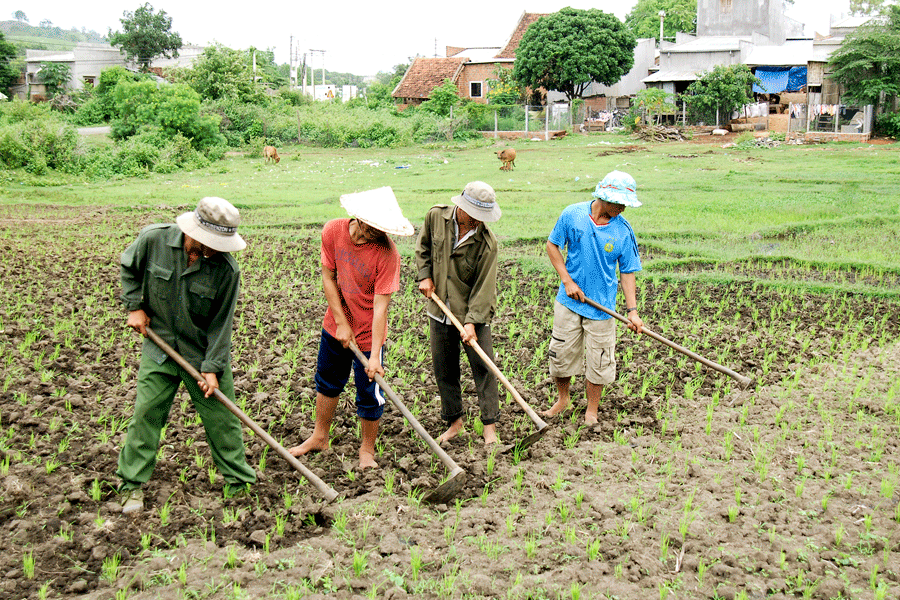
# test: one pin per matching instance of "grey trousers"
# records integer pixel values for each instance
(445, 342)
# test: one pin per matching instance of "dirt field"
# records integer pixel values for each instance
(688, 488)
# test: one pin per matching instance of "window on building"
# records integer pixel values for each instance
(89, 82)
(725, 6)
(475, 89)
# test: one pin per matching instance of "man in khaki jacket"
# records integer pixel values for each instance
(456, 259)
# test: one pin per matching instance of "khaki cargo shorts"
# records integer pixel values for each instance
(571, 334)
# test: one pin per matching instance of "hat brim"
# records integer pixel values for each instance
(219, 242)
(616, 197)
(479, 214)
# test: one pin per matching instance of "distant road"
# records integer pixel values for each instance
(103, 130)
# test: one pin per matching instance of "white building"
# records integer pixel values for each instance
(87, 60)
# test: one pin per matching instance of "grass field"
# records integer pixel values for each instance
(781, 264)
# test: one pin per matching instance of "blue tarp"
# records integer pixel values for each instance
(796, 79)
(780, 79)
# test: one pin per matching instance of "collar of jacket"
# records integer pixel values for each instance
(448, 211)
(176, 240)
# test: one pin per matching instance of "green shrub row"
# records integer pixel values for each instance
(37, 141)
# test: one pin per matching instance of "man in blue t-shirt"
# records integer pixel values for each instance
(597, 240)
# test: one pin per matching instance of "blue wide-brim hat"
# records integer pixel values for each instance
(618, 188)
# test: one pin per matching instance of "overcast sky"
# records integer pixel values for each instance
(360, 37)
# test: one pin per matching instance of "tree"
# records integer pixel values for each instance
(221, 72)
(681, 16)
(504, 89)
(55, 76)
(654, 102)
(719, 92)
(8, 73)
(46, 23)
(866, 7)
(867, 64)
(442, 99)
(146, 35)
(20, 16)
(567, 50)
(392, 78)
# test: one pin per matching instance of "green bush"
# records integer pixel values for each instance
(37, 145)
(173, 108)
(18, 111)
(888, 125)
(104, 92)
(90, 112)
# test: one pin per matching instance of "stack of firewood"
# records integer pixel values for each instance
(658, 133)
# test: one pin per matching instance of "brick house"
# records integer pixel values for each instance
(469, 68)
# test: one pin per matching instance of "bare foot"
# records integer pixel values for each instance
(490, 434)
(367, 460)
(590, 419)
(557, 408)
(454, 430)
(310, 445)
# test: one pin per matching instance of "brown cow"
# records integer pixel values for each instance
(508, 156)
(269, 152)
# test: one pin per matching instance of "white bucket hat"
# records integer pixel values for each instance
(479, 201)
(213, 224)
(619, 188)
(379, 209)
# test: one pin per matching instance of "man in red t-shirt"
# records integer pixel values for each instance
(360, 271)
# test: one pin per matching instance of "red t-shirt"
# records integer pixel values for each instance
(363, 270)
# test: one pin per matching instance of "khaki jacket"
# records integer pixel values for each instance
(465, 278)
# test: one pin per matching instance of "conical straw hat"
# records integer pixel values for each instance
(378, 208)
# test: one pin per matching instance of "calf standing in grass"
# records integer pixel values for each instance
(269, 152)
(508, 156)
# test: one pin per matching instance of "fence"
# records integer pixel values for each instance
(831, 118)
(521, 119)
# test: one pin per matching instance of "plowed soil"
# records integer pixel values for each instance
(690, 487)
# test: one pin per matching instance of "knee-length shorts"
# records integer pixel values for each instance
(575, 337)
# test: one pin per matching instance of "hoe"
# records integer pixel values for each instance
(542, 427)
(450, 488)
(327, 492)
(741, 379)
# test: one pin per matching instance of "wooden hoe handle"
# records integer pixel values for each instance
(509, 386)
(327, 491)
(741, 379)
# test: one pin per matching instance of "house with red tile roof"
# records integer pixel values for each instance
(469, 68)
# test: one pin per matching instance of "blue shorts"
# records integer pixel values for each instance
(333, 371)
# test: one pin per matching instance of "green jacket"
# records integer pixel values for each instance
(465, 278)
(191, 308)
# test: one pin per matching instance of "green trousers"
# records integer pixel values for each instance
(156, 387)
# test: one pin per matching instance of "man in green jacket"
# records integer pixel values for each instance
(456, 259)
(181, 280)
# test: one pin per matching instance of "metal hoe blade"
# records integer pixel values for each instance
(527, 441)
(448, 490)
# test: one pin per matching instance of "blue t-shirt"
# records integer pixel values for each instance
(593, 251)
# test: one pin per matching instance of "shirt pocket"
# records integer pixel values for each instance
(160, 281)
(467, 268)
(200, 298)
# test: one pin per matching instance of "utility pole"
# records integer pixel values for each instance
(311, 51)
(292, 80)
(304, 73)
(662, 17)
